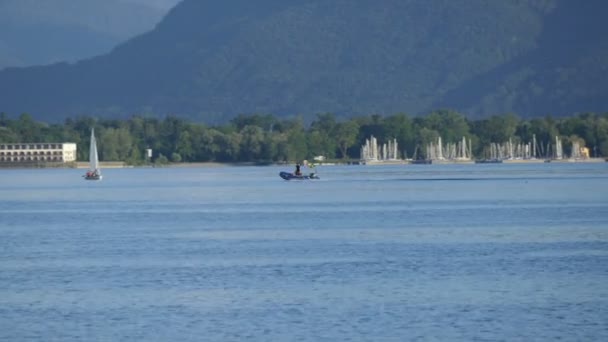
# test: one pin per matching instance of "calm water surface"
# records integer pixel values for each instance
(376, 253)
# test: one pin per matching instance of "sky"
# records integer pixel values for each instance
(40, 32)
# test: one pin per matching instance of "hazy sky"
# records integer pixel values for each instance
(35, 32)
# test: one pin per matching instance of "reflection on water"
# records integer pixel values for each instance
(379, 253)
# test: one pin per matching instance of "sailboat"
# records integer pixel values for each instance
(94, 172)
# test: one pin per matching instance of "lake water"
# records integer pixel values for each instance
(367, 253)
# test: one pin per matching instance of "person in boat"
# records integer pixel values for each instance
(298, 172)
(91, 174)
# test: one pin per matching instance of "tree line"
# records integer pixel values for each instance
(265, 138)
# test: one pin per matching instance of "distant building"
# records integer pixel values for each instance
(37, 153)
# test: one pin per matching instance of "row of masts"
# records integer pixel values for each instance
(451, 151)
(371, 151)
(462, 151)
(509, 150)
(533, 150)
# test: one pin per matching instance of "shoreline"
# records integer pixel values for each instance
(122, 165)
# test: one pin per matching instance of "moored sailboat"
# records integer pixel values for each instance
(94, 172)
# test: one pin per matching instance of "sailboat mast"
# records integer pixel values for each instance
(93, 162)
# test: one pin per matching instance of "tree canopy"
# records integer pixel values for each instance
(266, 138)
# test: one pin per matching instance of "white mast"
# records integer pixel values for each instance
(93, 160)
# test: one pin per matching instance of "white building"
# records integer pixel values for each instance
(37, 152)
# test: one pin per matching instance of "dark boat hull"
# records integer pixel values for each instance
(488, 161)
(93, 177)
(291, 176)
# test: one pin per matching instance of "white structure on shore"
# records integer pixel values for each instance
(37, 153)
(372, 152)
(460, 151)
(559, 150)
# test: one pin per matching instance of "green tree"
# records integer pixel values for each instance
(451, 125)
(269, 148)
(295, 136)
(252, 139)
(27, 129)
(325, 123)
(346, 136)
(135, 157)
(371, 126)
(184, 146)
(176, 157)
(161, 160)
(107, 144)
(228, 146)
(115, 144)
(319, 143)
(204, 143)
(282, 147)
(400, 127)
(424, 137)
(320, 139)
(497, 129)
(265, 122)
(7, 134)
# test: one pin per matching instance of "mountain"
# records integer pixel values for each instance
(209, 61)
(43, 32)
(160, 4)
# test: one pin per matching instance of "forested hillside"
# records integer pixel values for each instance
(210, 61)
